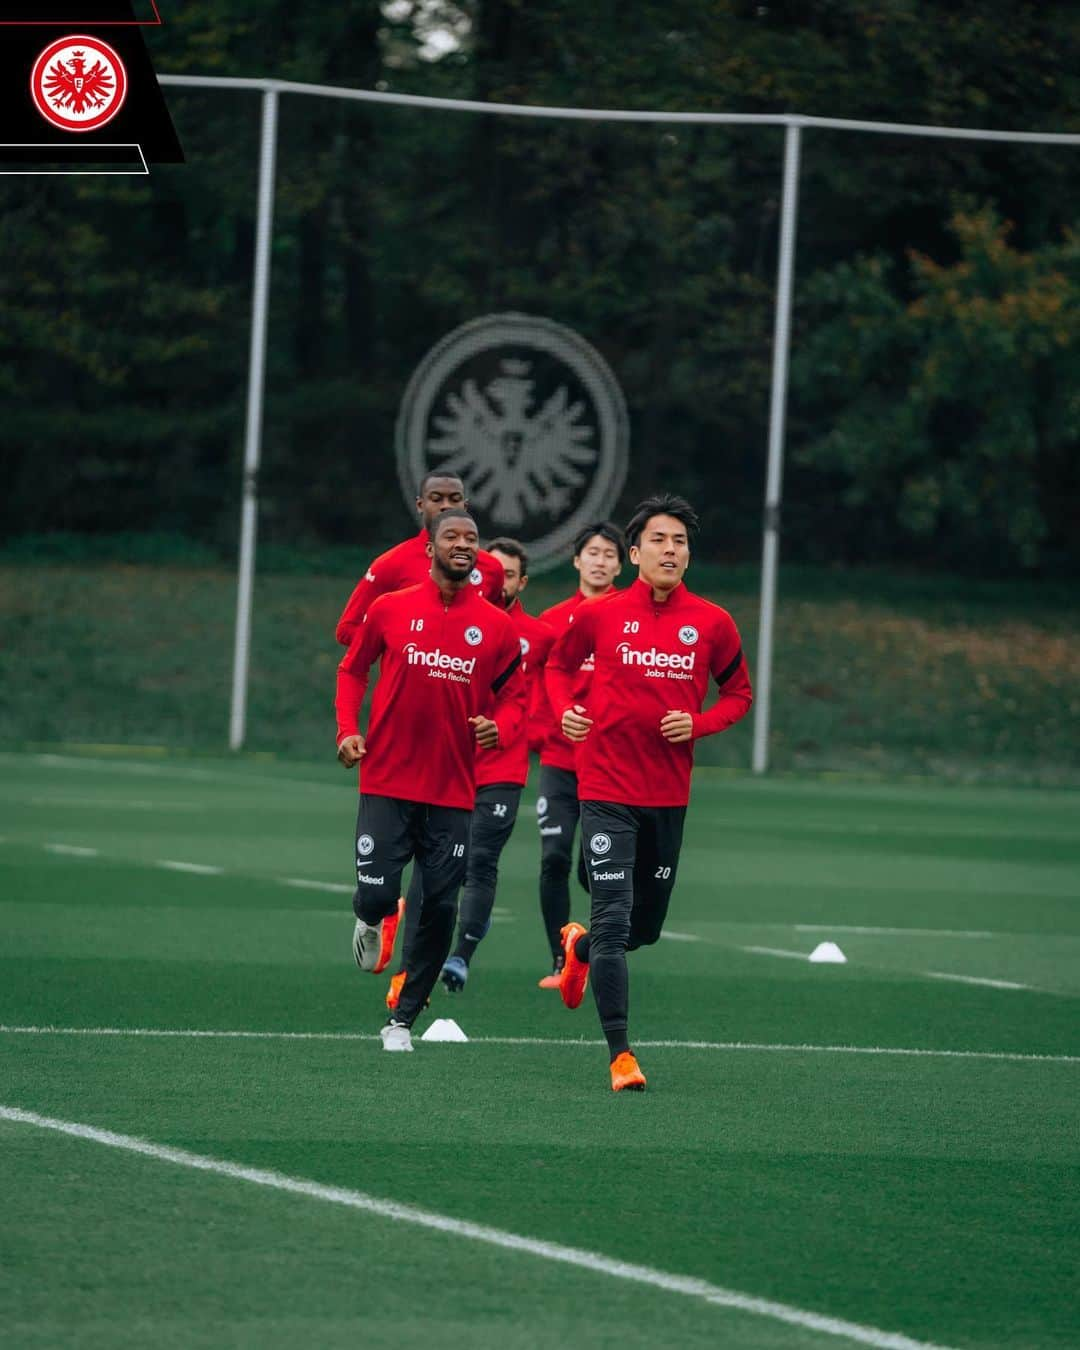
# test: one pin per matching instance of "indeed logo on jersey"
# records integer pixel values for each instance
(440, 664)
(657, 663)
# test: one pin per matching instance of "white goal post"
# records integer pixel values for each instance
(793, 124)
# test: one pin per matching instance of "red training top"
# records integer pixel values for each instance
(650, 659)
(408, 564)
(557, 751)
(509, 761)
(439, 665)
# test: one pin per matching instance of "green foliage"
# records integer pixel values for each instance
(124, 308)
(954, 419)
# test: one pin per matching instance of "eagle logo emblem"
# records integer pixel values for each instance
(530, 417)
(78, 83)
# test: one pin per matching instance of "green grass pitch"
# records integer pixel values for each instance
(922, 1196)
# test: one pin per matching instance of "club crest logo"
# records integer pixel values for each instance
(476, 577)
(474, 636)
(688, 634)
(78, 83)
(600, 843)
(541, 806)
(365, 845)
(532, 420)
(524, 646)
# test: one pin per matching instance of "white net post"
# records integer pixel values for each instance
(253, 432)
(777, 413)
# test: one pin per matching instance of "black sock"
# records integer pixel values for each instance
(466, 948)
(581, 948)
(616, 1042)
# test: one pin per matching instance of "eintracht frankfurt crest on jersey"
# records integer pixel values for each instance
(530, 417)
(78, 83)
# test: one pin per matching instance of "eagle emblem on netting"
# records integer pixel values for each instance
(529, 415)
(71, 86)
(518, 459)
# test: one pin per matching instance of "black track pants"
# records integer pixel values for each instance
(557, 813)
(388, 833)
(633, 855)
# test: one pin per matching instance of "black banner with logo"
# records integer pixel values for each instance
(78, 93)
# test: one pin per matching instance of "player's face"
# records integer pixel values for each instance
(454, 549)
(598, 563)
(513, 582)
(663, 553)
(440, 494)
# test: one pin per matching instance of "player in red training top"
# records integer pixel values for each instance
(599, 553)
(409, 562)
(655, 646)
(500, 773)
(449, 680)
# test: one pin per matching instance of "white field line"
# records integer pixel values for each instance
(201, 869)
(752, 1047)
(896, 932)
(205, 869)
(929, 974)
(943, 831)
(974, 979)
(475, 1232)
(94, 764)
(135, 804)
(303, 884)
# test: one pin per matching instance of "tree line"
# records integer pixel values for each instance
(935, 403)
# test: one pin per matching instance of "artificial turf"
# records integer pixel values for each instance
(932, 1196)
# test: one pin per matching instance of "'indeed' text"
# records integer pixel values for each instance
(656, 660)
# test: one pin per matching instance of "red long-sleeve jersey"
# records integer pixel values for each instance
(408, 564)
(439, 665)
(649, 659)
(556, 751)
(508, 762)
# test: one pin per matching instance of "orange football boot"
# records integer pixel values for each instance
(553, 980)
(394, 992)
(625, 1074)
(389, 933)
(575, 974)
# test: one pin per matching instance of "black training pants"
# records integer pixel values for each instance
(492, 822)
(389, 832)
(633, 855)
(490, 827)
(557, 813)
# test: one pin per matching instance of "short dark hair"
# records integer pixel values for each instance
(455, 513)
(606, 530)
(512, 549)
(660, 504)
(438, 473)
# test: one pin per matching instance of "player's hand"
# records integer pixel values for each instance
(487, 732)
(677, 727)
(351, 750)
(575, 725)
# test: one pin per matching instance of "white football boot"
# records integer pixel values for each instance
(396, 1036)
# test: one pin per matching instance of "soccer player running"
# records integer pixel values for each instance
(654, 647)
(599, 553)
(447, 658)
(409, 562)
(501, 773)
